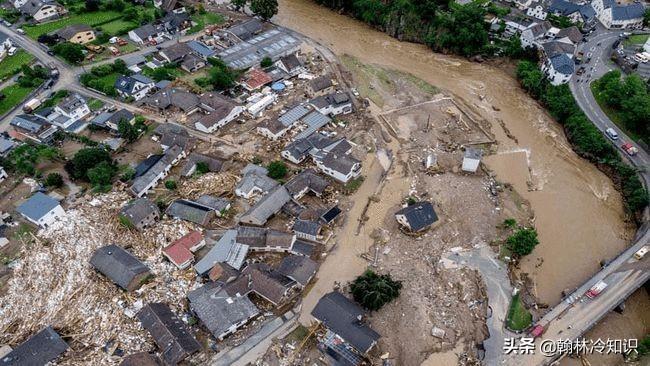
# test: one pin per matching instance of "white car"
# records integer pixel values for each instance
(611, 133)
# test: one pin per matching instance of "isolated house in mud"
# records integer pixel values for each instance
(417, 217)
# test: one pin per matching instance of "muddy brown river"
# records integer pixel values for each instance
(578, 213)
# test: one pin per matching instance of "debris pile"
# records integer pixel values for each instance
(214, 184)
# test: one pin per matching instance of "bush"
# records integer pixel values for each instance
(202, 167)
(171, 185)
(373, 291)
(85, 160)
(54, 180)
(102, 174)
(523, 241)
(266, 62)
(277, 169)
(71, 52)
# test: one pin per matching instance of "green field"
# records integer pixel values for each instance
(95, 104)
(92, 19)
(118, 27)
(11, 64)
(13, 95)
(202, 20)
(518, 317)
(636, 39)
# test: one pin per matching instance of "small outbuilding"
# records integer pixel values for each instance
(472, 159)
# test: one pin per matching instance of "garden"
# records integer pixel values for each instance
(11, 65)
(518, 317)
(12, 96)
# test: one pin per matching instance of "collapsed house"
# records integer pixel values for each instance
(417, 217)
(156, 170)
(265, 282)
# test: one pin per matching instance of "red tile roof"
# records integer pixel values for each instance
(180, 251)
(256, 78)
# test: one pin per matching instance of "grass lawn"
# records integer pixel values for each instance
(202, 20)
(92, 19)
(14, 95)
(518, 317)
(612, 113)
(636, 39)
(118, 27)
(109, 79)
(11, 64)
(95, 104)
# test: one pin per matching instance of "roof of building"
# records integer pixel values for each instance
(32, 7)
(40, 349)
(246, 29)
(117, 264)
(214, 164)
(293, 115)
(37, 206)
(71, 103)
(314, 121)
(308, 179)
(139, 209)
(300, 148)
(216, 203)
(176, 51)
(71, 30)
(169, 332)
(263, 280)
(175, 20)
(272, 43)
(342, 163)
(628, 12)
(419, 215)
(182, 140)
(321, 83)
(226, 250)
(573, 33)
(341, 315)
(192, 62)
(201, 49)
(172, 97)
(219, 311)
(255, 179)
(6, 144)
(256, 78)
(562, 64)
(539, 28)
(148, 30)
(141, 359)
(472, 153)
(306, 227)
(180, 251)
(554, 48)
(29, 122)
(299, 268)
(291, 62)
(303, 247)
(160, 165)
(127, 84)
(266, 207)
(189, 211)
(563, 7)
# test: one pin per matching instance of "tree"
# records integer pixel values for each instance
(266, 9)
(646, 18)
(277, 169)
(266, 62)
(71, 52)
(128, 131)
(373, 291)
(102, 174)
(86, 159)
(171, 184)
(202, 167)
(130, 14)
(54, 180)
(523, 241)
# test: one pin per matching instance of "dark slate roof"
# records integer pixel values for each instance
(71, 30)
(306, 227)
(562, 64)
(37, 206)
(43, 347)
(563, 7)
(628, 12)
(148, 30)
(138, 209)
(122, 114)
(263, 280)
(307, 179)
(71, 103)
(176, 51)
(29, 122)
(303, 247)
(6, 144)
(291, 61)
(331, 214)
(340, 162)
(201, 49)
(141, 359)
(126, 84)
(320, 83)
(31, 7)
(341, 316)
(555, 48)
(246, 29)
(117, 264)
(189, 211)
(217, 310)
(169, 332)
(573, 33)
(266, 207)
(299, 268)
(419, 215)
(587, 11)
(146, 164)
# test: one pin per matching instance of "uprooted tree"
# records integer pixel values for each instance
(373, 290)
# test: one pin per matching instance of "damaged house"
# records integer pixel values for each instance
(42, 348)
(266, 207)
(263, 281)
(120, 266)
(226, 250)
(417, 217)
(181, 251)
(156, 171)
(140, 213)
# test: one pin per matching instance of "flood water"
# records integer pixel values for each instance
(578, 213)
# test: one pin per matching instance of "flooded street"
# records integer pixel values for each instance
(579, 214)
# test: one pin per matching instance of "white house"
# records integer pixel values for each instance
(149, 33)
(537, 12)
(72, 108)
(558, 69)
(472, 159)
(157, 171)
(136, 86)
(5, 45)
(613, 15)
(333, 104)
(41, 209)
(531, 36)
(259, 102)
(41, 10)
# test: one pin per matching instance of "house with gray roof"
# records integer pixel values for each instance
(42, 10)
(254, 181)
(218, 204)
(262, 239)
(170, 100)
(41, 209)
(221, 313)
(264, 281)
(77, 33)
(298, 268)
(559, 69)
(225, 250)
(347, 332)
(214, 164)
(140, 213)
(321, 85)
(290, 64)
(342, 167)
(417, 217)
(142, 359)
(619, 16)
(149, 33)
(157, 171)
(32, 127)
(267, 206)
(307, 181)
(307, 229)
(170, 334)
(201, 49)
(246, 29)
(218, 111)
(42, 348)
(314, 122)
(135, 86)
(300, 149)
(191, 211)
(333, 104)
(6, 145)
(120, 266)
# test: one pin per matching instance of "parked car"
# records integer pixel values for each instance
(596, 289)
(629, 149)
(6, 23)
(611, 133)
(20, 31)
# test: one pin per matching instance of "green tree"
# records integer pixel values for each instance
(202, 167)
(71, 52)
(523, 241)
(54, 180)
(461, 30)
(101, 175)
(277, 169)
(646, 18)
(266, 62)
(171, 184)
(130, 14)
(373, 291)
(86, 159)
(265, 9)
(128, 131)
(239, 4)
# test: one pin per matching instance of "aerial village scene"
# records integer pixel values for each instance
(256, 182)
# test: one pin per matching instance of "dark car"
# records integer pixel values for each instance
(50, 52)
